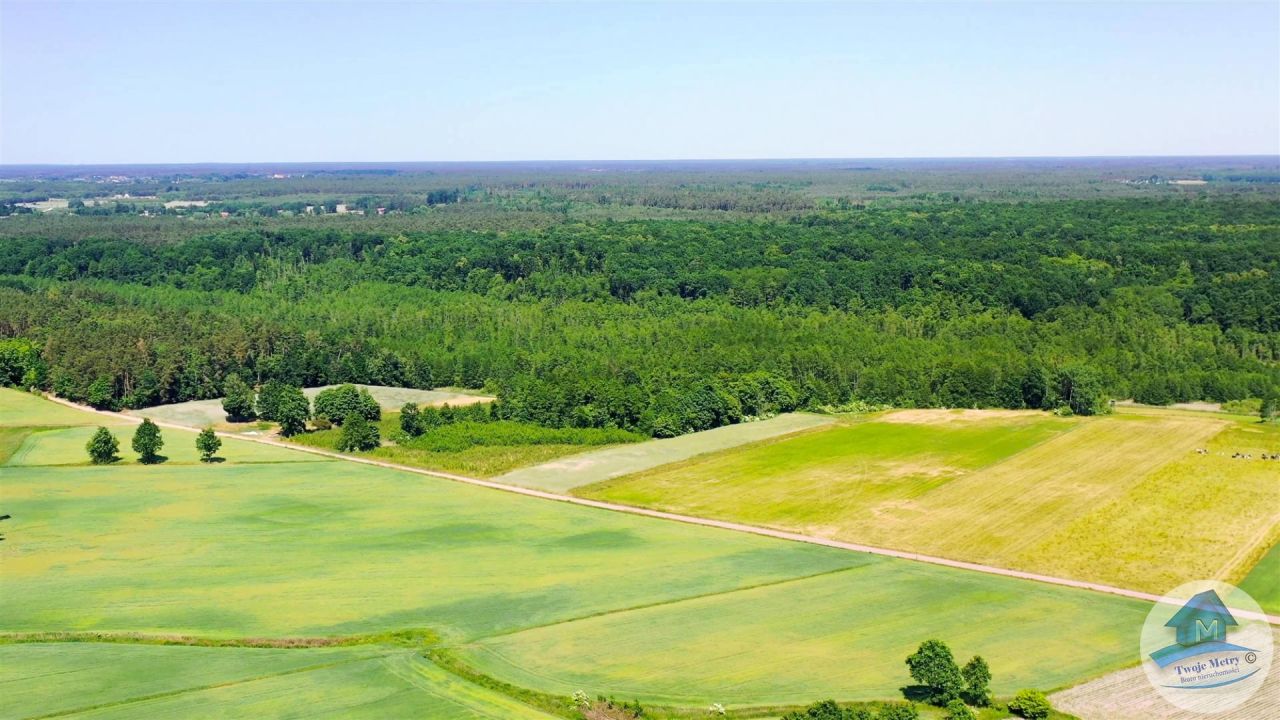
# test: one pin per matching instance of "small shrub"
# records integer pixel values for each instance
(957, 710)
(102, 447)
(898, 711)
(1030, 704)
(208, 443)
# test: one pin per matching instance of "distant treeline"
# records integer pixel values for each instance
(670, 326)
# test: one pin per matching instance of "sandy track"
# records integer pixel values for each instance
(689, 519)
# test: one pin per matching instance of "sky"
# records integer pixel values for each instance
(265, 81)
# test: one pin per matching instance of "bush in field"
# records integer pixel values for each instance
(898, 711)
(147, 442)
(335, 404)
(827, 710)
(358, 434)
(237, 401)
(1031, 704)
(208, 443)
(411, 420)
(102, 447)
(957, 710)
(933, 666)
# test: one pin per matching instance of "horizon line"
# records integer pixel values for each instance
(834, 158)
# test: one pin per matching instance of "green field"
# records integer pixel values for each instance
(130, 681)
(275, 543)
(590, 467)
(843, 634)
(1102, 499)
(1263, 582)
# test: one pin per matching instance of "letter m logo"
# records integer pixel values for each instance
(1210, 631)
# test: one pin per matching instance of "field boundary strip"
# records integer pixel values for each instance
(692, 519)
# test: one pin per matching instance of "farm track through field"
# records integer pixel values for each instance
(688, 519)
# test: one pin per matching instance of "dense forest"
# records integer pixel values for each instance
(661, 324)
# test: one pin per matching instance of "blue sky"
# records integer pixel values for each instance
(330, 81)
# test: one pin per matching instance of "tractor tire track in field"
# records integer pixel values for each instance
(688, 519)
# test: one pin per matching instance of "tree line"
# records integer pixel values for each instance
(1051, 305)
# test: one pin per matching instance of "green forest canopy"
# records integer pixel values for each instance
(666, 325)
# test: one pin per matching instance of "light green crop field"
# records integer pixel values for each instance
(66, 446)
(203, 413)
(25, 409)
(285, 545)
(1099, 499)
(1263, 582)
(843, 635)
(585, 468)
(95, 680)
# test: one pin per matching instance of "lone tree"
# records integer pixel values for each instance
(977, 681)
(237, 401)
(1267, 412)
(102, 447)
(933, 666)
(291, 409)
(208, 443)
(357, 434)
(411, 420)
(147, 442)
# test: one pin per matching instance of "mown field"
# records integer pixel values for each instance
(594, 466)
(1103, 499)
(275, 543)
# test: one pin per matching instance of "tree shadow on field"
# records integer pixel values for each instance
(916, 693)
(157, 460)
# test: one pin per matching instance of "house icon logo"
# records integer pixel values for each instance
(1203, 619)
(1202, 654)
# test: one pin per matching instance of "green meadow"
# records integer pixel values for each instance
(276, 543)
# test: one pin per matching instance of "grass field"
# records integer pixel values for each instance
(130, 681)
(66, 446)
(476, 449)
(551, 595)
(202, 413)
(1263, 582)
(25, 409)
(597, 465)
(843, 634)
(1103, 499)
